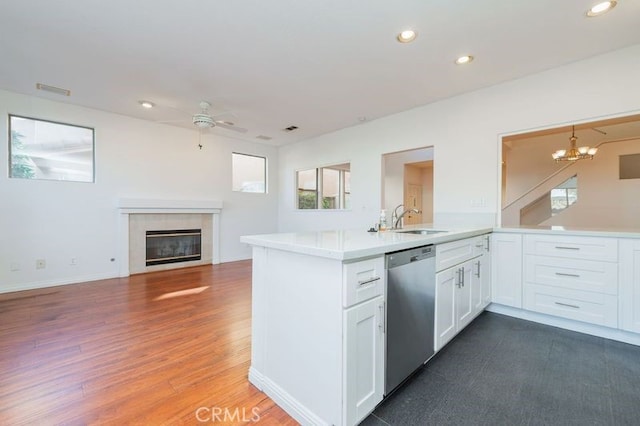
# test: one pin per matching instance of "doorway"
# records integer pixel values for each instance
(408, 184)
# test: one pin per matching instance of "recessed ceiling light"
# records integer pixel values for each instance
(464, 59)
(407, 36)
(601, 8)
(146, 104)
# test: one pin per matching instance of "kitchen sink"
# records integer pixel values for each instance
(420, 231)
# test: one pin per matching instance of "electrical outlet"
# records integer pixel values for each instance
(73, 261)
(14, 266)
(41, 263)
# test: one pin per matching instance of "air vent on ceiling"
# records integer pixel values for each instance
(289, 129)
(264, 138)
(53, 89)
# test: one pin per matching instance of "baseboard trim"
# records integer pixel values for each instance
(292, 406)
(577, 326)
(55, 283)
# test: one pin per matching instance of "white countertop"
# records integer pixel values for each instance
(568, 230)
(356, 244)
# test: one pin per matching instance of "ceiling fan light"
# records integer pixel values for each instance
(555, 155)
(561, 152)
(583, 150)
(592, 151)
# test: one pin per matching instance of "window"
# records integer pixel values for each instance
(564, 195)
(40, 149)
(249, 173)
(324, 188)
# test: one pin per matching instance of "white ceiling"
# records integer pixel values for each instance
(319, 65)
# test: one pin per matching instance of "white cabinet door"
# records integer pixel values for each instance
(464, 287)
(506, 269)
(485, 272)
(477, 299)
(629, 291)
(364, 359)
(445, 307)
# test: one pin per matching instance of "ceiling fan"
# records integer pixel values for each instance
(204, 120)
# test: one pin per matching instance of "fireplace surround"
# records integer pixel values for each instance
(137, 216)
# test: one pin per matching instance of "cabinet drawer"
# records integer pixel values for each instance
(362, 280)
(456, 252)
(587, 248)
(576, 274)
(594, 308)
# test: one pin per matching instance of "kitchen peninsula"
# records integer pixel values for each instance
(318, 309)
(318, 335)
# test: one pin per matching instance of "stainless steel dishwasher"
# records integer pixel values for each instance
(411, 292)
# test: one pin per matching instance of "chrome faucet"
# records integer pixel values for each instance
(396, 223)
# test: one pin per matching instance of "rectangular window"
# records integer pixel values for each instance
(249, 173)
(324, 188)
(307, 189)
(40, 149)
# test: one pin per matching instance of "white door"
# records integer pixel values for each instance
(364, 359)
(413, 200)
(445, 307)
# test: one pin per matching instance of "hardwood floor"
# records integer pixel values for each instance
(161, 348)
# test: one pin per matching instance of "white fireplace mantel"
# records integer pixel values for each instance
(142, 205)
(127, 206)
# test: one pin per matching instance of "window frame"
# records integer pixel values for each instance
(340, 198)
(265, 173)
(10, 152)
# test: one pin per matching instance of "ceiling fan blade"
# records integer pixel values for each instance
(231, 127)
(172, 121)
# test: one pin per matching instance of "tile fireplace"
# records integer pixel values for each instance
(161, 221)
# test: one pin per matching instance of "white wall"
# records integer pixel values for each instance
(134, 159)
(465, 132)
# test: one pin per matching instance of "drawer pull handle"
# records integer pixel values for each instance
(567, 305)
(562, 274)
(369, 281)
(567, 248)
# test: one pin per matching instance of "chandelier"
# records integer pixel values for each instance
(574, 153)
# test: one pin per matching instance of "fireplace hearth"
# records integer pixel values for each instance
(173, 246)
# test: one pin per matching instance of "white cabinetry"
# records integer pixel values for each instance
(629, 302)
(364, 359)
(459, 290)
(506, 270)
(363, 332)
(572, 277)
(481, 272)
(318, 334)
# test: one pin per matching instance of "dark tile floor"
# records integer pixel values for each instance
(506, 371)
